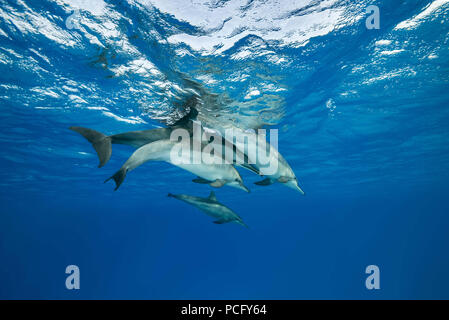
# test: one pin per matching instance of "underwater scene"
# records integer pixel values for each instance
(224, 149)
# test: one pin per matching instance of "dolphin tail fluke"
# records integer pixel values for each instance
(100, 142)
(170, 195)
(118, 177)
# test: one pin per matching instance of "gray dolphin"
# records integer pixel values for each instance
(212, 208)
(283, 174)
(216, 174)
(102, 143)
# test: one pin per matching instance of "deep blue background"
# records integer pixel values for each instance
(375, 170)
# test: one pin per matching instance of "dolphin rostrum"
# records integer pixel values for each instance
(212, 208)
(216, 174)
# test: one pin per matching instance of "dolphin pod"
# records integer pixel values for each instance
(156, 145)
(139, 139)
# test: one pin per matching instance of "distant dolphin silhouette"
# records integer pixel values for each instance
(216, 175)
(212, 208)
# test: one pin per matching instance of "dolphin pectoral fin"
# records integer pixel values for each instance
(219, 221)
(284, 179)
(118, 177)
(264, 182)
(201, 180)
(218, 183)
(100, 142)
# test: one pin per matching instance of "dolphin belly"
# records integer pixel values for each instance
(210, 172)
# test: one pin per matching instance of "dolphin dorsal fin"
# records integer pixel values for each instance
(212, 196)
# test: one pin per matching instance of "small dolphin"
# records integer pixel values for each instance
(216, 175)
(137, 139)
(212, 208)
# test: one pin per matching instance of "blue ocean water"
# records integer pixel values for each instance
(363, 121)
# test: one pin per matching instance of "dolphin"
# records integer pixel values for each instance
(283, 174)
(102, 143)
(211, 207)
(216, 174)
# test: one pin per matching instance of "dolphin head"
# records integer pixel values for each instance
(293, 183)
